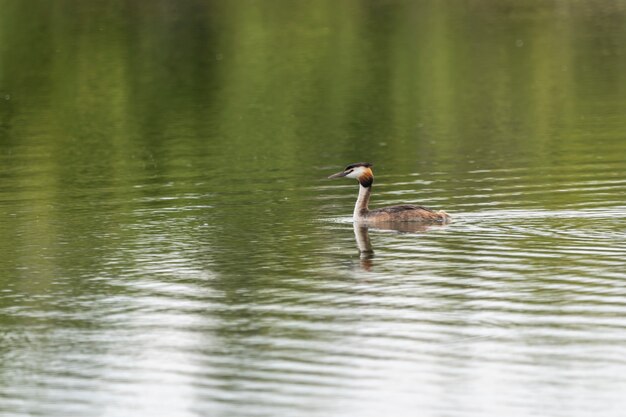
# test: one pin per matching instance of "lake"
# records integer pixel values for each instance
(171, 245)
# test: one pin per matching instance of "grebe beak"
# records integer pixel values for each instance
(338, 175)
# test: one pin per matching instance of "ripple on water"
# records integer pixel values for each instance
(519, 306)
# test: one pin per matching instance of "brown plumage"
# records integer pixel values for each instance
(408, 213)
(402, 213)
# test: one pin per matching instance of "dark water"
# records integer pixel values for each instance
(170, 246)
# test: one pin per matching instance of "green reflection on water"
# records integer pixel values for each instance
(292, 83)
(177, 141)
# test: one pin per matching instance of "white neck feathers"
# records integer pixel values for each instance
(360, 208)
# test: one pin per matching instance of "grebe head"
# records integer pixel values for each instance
(362, 171)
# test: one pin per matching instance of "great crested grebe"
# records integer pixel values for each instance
(362, 171)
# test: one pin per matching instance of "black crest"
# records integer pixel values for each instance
(359, 164)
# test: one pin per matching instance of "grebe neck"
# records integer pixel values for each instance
(360, 208)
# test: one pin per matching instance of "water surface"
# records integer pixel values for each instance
(170, 245)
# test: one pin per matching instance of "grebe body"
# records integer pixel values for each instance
(362, 172)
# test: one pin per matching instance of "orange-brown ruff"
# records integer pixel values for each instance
(362, 171)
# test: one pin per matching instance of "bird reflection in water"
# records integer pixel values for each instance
(364, 244)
